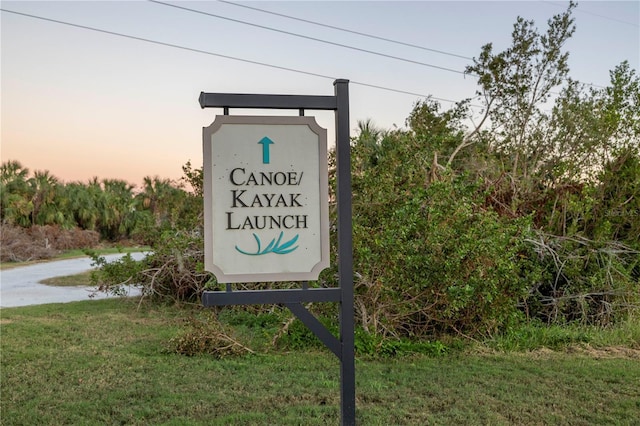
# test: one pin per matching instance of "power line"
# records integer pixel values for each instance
(249, 61)
(326, 41)
(219, 55)
(588, 12)
(397, 58)
(403, 43)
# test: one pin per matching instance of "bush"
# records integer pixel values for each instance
(585, 281)
(436, 262)
(113, 277)
(295, 336)
(173, 271)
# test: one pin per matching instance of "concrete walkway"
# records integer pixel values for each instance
(20, 286)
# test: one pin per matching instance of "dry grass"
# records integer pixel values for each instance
(42, 242)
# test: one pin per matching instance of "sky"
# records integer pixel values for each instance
(82, 103)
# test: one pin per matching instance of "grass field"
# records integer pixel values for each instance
(110, 362)
(81, 279)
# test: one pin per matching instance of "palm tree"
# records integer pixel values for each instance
(158, 196)
(15, 194)
(44, 187)
(82, 202)
(371, 139)
(114, 205)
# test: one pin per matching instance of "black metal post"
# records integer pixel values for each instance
(345, 253)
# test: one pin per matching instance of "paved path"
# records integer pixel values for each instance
(20, 286)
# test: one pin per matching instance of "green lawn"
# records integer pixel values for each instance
(108, 362)
(81, 279)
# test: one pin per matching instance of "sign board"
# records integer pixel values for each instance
(266, 198)
(290, 150)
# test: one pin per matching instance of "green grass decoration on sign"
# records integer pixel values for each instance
(273, 247)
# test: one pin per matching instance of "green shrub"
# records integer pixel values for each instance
(439, 263)
(297, 336)
(173, 271)
(113, 277)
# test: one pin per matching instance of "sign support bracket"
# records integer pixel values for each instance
(343, 347)
(316, 327)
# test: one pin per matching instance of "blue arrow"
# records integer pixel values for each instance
(265, 142)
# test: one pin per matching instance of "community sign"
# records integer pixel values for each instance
(266, 198)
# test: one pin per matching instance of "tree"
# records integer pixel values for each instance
(83, 203)
(193, 178)
(16, 205)
(442, 131)
(115, 204)
(45, 199)
(622, 109)
(160, 197)
(514, 85)
(591, 126)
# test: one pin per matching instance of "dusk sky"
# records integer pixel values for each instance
(82, 103)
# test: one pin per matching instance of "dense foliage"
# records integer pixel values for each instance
(430, 256)
(529, 214)
(111, 207)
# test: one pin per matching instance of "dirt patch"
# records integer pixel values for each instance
(609, 352)
(606, 353)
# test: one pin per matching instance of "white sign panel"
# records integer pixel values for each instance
(266, 198)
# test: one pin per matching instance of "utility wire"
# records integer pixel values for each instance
(249, 61)
(329, 42)
(373, 36)
(346, 30)
(588, 12)
(411, 61)
(206, 52)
